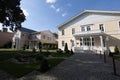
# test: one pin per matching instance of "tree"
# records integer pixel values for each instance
(71, 51)
(116, 50)
(11, 15)
(66, 48)
(40, 46)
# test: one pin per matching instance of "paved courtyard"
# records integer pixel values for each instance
(80, 66)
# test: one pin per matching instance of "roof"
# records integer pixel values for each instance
(88, 11)
(42, 32)
(26, 30)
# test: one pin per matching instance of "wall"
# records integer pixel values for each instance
(110, 22)
(5, 37)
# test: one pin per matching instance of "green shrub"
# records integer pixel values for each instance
(39, 57)
(40, 46)
(7, 45)
(71, 51)
(44, 65)
(34, 50)
(116, 50)
(66, 48)
(24, 47)
(59, 51)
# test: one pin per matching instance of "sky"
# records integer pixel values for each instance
(49, 14)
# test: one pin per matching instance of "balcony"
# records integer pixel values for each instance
(89, 33)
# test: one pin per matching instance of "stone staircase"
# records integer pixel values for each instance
(5, 76)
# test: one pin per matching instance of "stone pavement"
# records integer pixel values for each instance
(80, 66)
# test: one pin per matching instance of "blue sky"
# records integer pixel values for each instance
(48, 14)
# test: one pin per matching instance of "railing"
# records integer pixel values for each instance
(89, 32)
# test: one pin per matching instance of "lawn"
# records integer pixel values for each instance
(19, 70)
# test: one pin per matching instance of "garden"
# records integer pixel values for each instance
(21, 62)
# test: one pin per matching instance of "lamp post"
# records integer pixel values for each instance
(114, 65)
(104, 57)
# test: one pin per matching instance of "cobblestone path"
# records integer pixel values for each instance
(80, 66)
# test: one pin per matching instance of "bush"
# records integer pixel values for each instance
(40, 46)
(46, 53)
(71, 51)
(34, 50)
(7, 45)
(59, 51)
(66, 48)
(44, 65)
(39, 57)
(24, 47)
(116, 50)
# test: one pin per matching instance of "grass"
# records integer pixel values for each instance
(60, 54)
(19, 70)
(5, 56)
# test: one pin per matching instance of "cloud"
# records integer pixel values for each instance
(56, 9)
(51, 1)
(53, 7)
(64, 14)
(25, 12)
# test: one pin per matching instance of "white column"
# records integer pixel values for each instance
(90, 42)
(101, 42)
(74, 42)
(107, 44)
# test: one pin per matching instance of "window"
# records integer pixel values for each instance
(101, 27)
(73, 30)
(62, 43)
(82, 29)
(85, 28)
(93, 41)
(81, 42)
(88, 28)
(86, 41)
(62, 32)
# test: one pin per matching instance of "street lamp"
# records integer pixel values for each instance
(114, 65)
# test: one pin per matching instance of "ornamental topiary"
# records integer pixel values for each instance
(66, 48)
(40, 46)
(116, 50)
(71, 51)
